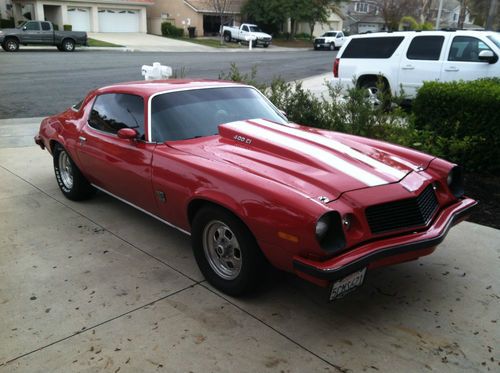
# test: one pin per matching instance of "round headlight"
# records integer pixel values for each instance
(322, 227)
(455, 181)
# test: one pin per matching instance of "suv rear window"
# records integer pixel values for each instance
(425, 48)
(372, 47)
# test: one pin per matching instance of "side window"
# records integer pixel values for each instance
(32, 26)
(373, 47)
(245, 28)
(425, 48)
(112, 112)
(466, 49)
(45, 26)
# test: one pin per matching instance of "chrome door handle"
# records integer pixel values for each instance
(409, 67)
(451, 68)
(82, 139)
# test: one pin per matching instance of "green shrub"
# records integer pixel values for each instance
(7, 23)
(167, 29)
(464, 118)
(67, 27)
(56, 27)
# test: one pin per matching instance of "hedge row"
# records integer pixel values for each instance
(465, 119)
(167, 29)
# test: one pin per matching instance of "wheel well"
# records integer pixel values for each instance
(227, 32)
(11, 38)
(371, 78)
(73, 40)
(52, 145)
(197, 204)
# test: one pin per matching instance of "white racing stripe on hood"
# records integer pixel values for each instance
(316, 153)
(335, 145)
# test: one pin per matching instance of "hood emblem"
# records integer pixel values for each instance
(323, 199)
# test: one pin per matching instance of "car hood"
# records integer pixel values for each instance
(261, 35)
(313, 162)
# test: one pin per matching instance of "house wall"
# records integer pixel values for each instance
(175, 12)
(5, 9)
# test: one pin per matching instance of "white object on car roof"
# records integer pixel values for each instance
(156, 72)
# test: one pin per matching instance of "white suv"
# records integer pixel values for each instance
(406, 59)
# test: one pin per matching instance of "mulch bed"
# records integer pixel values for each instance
(486, 190)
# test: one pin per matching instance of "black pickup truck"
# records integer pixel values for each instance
(40, 33)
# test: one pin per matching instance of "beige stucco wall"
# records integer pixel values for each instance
(174, 11)
(334, 22)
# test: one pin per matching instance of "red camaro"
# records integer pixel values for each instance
(218, 161)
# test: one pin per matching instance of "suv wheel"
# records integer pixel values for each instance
(377, 93)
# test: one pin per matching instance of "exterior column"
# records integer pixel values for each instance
(143, 21)
(64, 15)
(94, 19)
(17, 13)
(39, 12)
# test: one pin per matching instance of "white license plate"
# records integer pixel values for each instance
(347, 284)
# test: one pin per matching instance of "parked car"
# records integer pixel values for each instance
(330, 40)
(219, 162)
(404, 60)
(245, 31)
(40, 33)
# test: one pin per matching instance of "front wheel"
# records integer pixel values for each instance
(70, 180)
(10, 45)
(332, 46)
(226, 251)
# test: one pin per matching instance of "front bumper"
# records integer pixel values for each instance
(386, 251)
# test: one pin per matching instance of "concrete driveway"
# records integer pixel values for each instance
(148, 43)
(99, 286)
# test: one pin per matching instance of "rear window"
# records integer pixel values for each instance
(372, 47)
(425, 48)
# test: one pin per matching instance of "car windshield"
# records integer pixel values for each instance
(255, 29)
(198, 113)
(495, 39)
(329, 34)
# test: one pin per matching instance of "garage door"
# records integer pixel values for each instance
(79, 18)
(118, 20)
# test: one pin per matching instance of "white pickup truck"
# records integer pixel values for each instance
(246, 32)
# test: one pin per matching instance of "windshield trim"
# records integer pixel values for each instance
(495, 39)
(150, 100)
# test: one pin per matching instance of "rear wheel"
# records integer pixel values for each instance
(68, 45)
(377, 93)
(226, 251)
(10, 45)
(72, 183)
(227, 38)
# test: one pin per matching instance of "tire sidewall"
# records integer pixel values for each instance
(58, 150)
(250, 253)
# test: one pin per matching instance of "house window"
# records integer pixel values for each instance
(361, 7)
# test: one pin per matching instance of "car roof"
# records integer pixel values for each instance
(148, 88)
(430, 32)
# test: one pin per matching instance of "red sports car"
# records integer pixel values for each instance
(218, 161)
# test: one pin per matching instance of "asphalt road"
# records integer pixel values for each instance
(36, 83)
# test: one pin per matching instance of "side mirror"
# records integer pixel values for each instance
(487, 56)
(127, 133)
(24, 28)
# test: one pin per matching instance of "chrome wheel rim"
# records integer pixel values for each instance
(11, 45)
(222, 250)
(68, 46)
(373, 96)
(65, 170)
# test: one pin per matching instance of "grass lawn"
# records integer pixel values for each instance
(209, 42)
(296, 43)
(99, 43)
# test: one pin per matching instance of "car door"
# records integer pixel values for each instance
(339, 39)
(463, 61)
(46, 33)
(243, 32)
(31, 33)
(121, 167)
(422, 62)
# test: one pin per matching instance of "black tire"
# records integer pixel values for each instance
(251, 258)
(79, 188)
(68, 45)
(10, 45)
(266, 45)
(332, 46)
(380, 93)
(227, 37)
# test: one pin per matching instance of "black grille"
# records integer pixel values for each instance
(319, 41)
(407, 213)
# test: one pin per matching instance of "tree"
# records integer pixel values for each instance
(221, 7)
(393, 10)
(269, 14)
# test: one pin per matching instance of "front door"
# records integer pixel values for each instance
(31, 33)
(121, 167)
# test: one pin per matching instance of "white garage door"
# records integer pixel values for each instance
(118, 20)
(79, 18)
